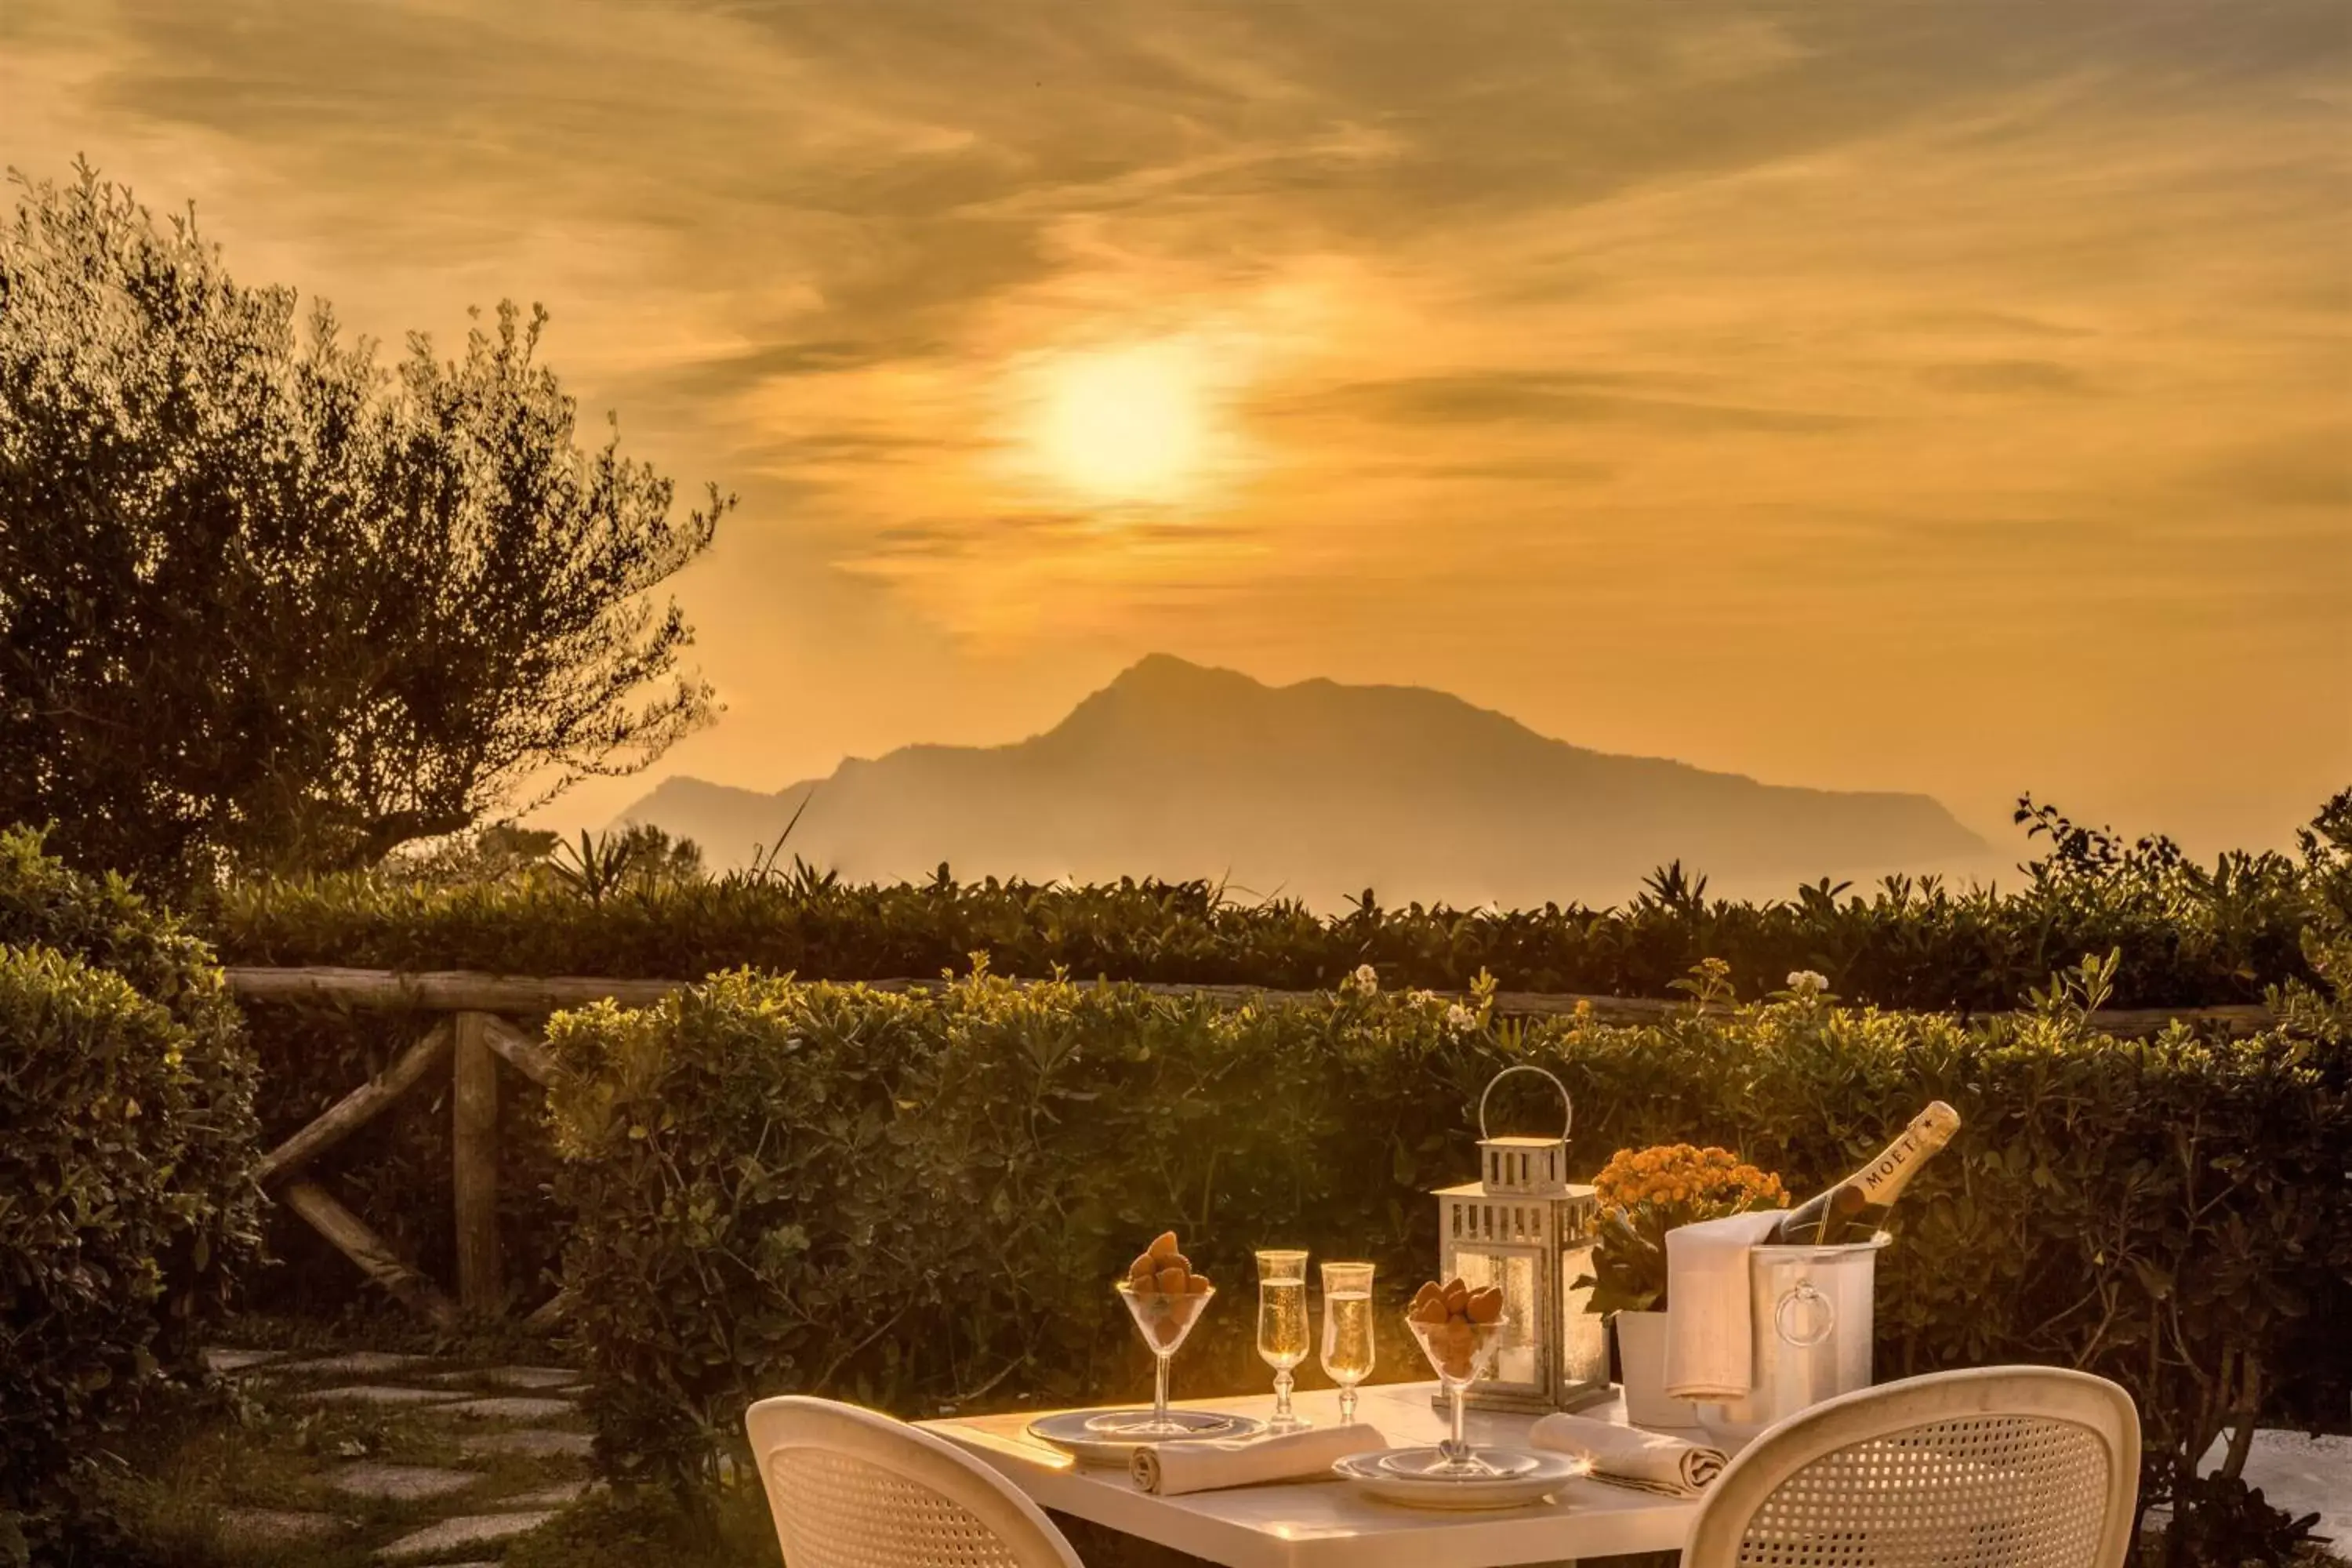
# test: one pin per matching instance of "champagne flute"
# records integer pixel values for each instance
(1347, 1330)
(1282, 1326)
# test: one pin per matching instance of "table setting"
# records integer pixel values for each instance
(1518, 1447)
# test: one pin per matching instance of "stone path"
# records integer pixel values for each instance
(421, 1462)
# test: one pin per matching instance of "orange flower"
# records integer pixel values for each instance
(1690, 1183)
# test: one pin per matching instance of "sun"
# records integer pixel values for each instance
(1125, 425)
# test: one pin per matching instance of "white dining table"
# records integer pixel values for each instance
(1329, 1523)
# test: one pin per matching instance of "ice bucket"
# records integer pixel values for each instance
(1809, 1326)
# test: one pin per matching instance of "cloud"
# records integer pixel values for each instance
(1999, 376)
(1815, 322)
(722, 374)
(1543, 397)
(2305, 469)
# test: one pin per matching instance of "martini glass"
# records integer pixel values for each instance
(1164, 1321)
(1460, 1353)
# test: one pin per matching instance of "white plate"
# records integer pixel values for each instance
(1530, 1477)
(1092, 1437)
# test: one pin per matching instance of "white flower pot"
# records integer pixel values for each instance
(1642, 1358)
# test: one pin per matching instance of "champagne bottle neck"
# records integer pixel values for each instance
(1882, 1181)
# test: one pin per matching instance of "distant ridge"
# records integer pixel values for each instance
(1316, 791)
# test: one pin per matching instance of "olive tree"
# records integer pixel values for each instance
(265, 604)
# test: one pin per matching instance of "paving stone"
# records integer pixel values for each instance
(375, 1394)
(531, 1377)
(227, 1359)
(563, 1494)
(534, 1442)
(351, 1364)
(400, 1483)
(466, 1530)
(270, 1526)
(512, 1407)
(2301, 1474)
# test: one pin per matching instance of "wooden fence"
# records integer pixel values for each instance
(479, 1029)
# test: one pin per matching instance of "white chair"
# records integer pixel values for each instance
(2018, 1467)
(851, 1489)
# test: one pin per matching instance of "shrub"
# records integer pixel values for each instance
(2188, 935)
(102, 1116)
(101, 922)
(920, 1200)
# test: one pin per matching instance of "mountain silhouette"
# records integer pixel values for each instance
(1314, 791)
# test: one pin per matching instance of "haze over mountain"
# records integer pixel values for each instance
(1316, 791)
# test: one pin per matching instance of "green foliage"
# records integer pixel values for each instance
(2184, 935)
(2229, 1524)
(263, 604)
(102, 1119)
(1629, 1261)
(489, 901)
(639, 856)
(917, 1200)
(46, 904)
(121, 1228)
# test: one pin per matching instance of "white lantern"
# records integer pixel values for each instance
(1524, 1227)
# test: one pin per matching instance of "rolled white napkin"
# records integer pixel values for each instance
(1632, 1456)
(1710, 1354)
(1171, 1469)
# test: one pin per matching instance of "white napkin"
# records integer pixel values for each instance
(1173, 1468)
(1709, 1355)
(1630, 1456)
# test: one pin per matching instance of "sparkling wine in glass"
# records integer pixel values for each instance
(1282, 1332)
(1347, 1330)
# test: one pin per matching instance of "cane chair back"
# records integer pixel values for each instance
(851, 1489)
(1997, 1468)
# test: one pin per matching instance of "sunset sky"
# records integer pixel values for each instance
(1950, 396)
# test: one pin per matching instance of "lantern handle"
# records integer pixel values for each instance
(1568, 1105)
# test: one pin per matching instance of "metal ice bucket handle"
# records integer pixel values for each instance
(1803, 1294)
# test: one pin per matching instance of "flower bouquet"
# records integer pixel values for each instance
(1646, 1193)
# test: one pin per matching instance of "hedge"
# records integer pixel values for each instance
(104, 1121)
(103, 923)
(2188, 935)
(919, 1201)
(126, 1204)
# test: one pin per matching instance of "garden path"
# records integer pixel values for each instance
(371, 1457)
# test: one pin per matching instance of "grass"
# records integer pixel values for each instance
(175, 1488)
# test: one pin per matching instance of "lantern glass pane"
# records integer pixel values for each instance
(1517, 1361)
(1584, 1347)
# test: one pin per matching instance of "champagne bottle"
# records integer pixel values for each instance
(1851, 1210)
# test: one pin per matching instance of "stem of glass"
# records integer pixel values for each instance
(1348, 1405)
(1282, 1381)
(1160, 1391)
(1457, 1448)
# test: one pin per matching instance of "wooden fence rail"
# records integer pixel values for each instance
(479, 1030)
